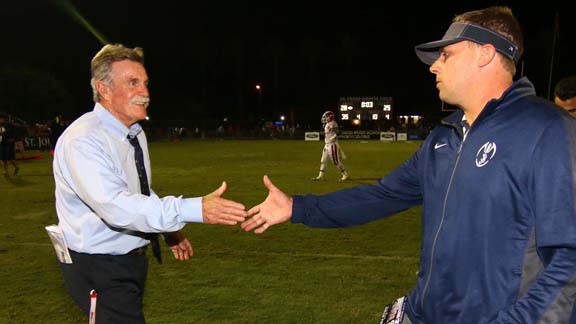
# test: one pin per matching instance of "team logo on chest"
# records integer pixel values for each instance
(485, 154)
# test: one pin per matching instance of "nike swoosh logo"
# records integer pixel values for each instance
(437, 146)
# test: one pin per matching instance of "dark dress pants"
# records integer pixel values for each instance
(117, 279)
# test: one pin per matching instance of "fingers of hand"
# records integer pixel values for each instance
(182, 254)
(177, 252)
(269, 185)
(220, 203)
(230, 204)
(220, 191)
(187, 248)
(254, 210)
(255, 222)
(262, 228)
(225, 214)
(233, 215)
(223, 219)
(226, 222)
(249, 224)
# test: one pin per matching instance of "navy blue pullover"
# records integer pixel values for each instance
(499, 215)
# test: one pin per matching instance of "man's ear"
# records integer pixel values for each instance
(103, 90)
(487, 54)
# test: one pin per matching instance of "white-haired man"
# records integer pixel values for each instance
(106, 209)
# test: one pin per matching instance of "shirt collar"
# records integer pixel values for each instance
(465, 126)
(114, 126)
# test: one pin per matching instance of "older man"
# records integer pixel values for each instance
(106, 208)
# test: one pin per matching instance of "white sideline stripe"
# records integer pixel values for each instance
(338, 256)
(290, 254)
(26, 243)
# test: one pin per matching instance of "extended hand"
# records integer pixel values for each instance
(217, 210)
(179, 244)
(277, 208)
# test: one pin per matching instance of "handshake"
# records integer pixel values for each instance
(275, 209)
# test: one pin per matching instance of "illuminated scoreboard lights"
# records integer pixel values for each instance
(365, 108)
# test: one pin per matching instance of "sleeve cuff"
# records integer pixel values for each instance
(298, 210)
(191, 210)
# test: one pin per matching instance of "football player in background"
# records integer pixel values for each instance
(331, 149)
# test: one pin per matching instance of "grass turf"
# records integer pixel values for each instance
(290, 274)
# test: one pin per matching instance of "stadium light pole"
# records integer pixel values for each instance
(258, 88)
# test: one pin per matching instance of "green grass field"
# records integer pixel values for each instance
(289, 274)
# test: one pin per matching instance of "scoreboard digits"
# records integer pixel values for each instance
(359, 109)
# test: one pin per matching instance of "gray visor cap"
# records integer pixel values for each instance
(457, 32)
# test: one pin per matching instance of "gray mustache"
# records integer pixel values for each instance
(140, 100)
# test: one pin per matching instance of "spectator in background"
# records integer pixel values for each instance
(7, 138)
(565, 94)
(495, 181)
(57, 126)
(20, 134)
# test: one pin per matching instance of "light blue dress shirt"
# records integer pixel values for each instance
(98, 200)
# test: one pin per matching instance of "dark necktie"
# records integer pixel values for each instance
(145, 189)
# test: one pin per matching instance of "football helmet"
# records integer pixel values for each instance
(327, 117)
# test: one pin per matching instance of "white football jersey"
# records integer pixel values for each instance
(331, 132)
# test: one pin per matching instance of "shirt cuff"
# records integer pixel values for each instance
(191, 210)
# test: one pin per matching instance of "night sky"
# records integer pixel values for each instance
(204, 58)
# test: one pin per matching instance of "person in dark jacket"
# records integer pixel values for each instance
(497, 183)
(7, 138)
(565, 94)
(57, 127)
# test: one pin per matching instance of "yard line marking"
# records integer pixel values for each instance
(290, 254)
(324, 255)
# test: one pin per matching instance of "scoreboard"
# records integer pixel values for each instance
(371, 110)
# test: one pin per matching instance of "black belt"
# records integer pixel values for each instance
(139, 250)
